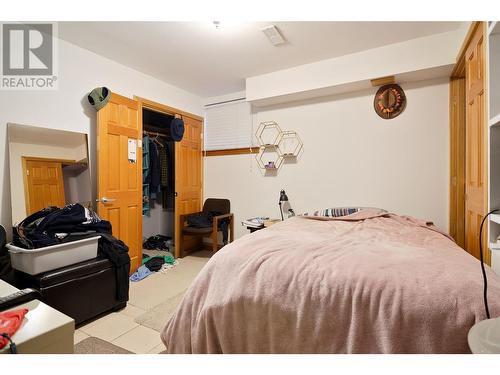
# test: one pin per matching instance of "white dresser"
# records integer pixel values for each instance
(44, 329)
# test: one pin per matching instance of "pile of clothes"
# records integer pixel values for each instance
(53, 225)
(158, 242)
(152, 264)
(204, 220)
(117, 253)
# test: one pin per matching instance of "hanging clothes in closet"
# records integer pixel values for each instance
(146, 208)
(158, 181)
(162, 151)
(164, 169)
(154, 179)
(169, 177)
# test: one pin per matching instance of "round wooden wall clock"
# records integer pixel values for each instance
(390, 101)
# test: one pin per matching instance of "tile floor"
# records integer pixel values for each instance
(120, 328)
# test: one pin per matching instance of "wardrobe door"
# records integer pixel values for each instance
(188, 178)
(457, 160)
(476, 147)
(119, 172)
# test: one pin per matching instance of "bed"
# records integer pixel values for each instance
(370, 282)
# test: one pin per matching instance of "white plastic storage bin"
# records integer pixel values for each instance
(35, 261)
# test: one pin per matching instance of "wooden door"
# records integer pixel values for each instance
(119, 180)
(44, 185)
(188, 178)
(476, 146)
(457, 160)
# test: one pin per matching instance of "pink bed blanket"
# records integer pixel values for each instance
(375, 283)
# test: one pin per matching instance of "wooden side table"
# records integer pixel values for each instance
(267, 224)
(270, 222)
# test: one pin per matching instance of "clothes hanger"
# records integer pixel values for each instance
(157, 141)
(154, 137)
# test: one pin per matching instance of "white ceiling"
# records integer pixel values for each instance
(206, 61)
(45, 136)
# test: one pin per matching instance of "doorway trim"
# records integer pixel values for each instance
(155, 106)
(457, 105)
(457, 161)
(162, 108)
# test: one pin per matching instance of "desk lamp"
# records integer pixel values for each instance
(283, 198)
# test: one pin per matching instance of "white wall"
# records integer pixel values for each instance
(160, 221)
(351, 157)
(75, 187)
(67, 108)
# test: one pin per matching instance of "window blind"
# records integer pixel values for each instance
(228, 126)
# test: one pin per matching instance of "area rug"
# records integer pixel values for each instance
(94, 345)
(158, 316)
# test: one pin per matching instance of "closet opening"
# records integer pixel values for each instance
(158, 172)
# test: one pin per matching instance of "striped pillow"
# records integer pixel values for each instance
(334, 212)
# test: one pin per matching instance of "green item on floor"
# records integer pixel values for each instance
(169, 259)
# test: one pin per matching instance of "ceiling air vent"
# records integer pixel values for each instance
(273, 34)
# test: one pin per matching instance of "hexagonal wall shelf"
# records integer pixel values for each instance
(276, 145)
(269, 158)
(268, 133)
(289, 144)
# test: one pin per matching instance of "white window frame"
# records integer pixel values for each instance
(228, 125)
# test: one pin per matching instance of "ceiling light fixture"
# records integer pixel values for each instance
(273, 34)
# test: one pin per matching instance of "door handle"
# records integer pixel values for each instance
(105, 200)
(175, 194)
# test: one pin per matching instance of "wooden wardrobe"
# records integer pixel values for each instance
(119, 179)
(469, 143)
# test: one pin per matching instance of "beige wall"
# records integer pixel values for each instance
(351, 157)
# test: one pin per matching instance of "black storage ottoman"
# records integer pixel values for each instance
(82, 291)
